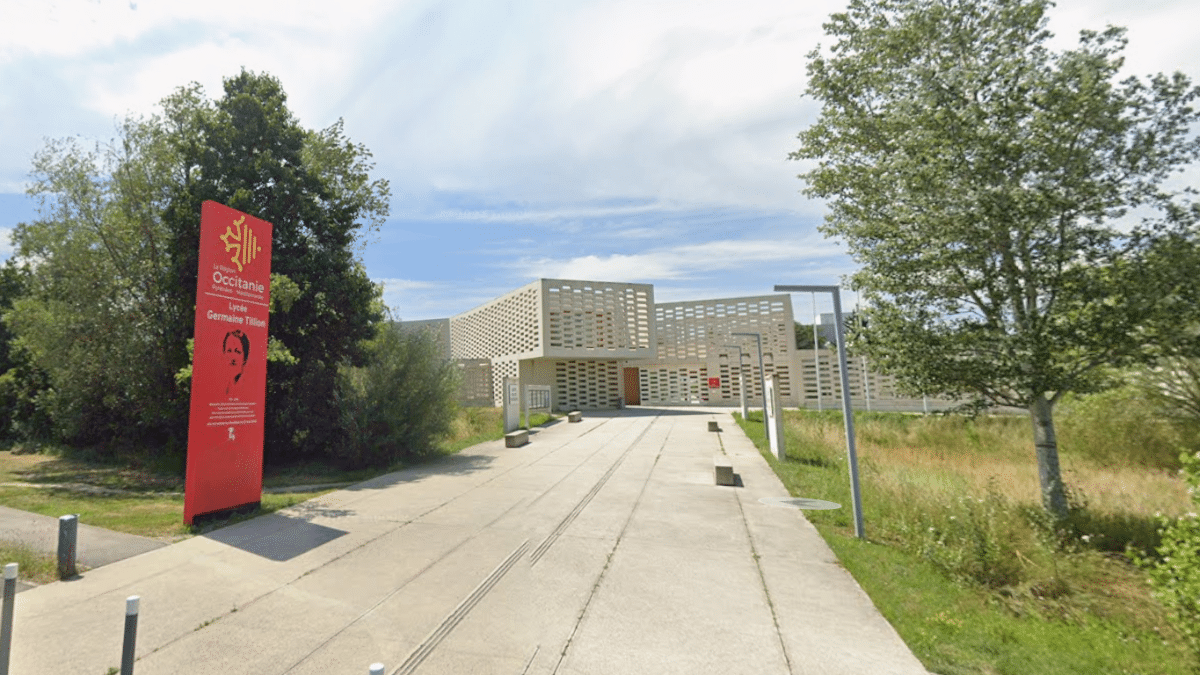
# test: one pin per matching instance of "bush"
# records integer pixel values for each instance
(399, 404)
(1175, 575)
(970, 540)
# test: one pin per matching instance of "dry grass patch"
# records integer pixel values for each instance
(961, 557)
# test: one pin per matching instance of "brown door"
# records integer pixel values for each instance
(633, 387)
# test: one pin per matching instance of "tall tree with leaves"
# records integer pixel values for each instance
(985, 183)
(92, 318)
(107, 310)
(248, 151)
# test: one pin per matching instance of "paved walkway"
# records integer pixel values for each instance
(95, 546)
(603, 547)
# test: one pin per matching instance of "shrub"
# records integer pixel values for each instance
(971, 540)
(1175, 575)
(399, 404)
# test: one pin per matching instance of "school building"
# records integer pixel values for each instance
(604, 345)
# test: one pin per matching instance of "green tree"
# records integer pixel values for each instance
(985, 183)
(247, 150)
(400, 402)
(92, 320)
(107, 311)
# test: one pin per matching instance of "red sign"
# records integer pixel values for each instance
(714, 383)
(229, 364)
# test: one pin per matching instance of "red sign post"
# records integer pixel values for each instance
(229, 364)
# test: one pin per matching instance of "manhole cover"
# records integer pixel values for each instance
(800, 503)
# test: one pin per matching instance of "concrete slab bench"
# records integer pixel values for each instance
(722, 470)
(515, 439)
(574, 416)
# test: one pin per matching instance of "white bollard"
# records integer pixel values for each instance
(376, 669)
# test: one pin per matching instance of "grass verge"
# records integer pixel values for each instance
(32, 565)
(959, 559)
(146, 501)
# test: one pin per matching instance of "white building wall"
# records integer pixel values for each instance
(578, 336)
(555, 332)
(596, 319)
(691, 339)
(869, 390)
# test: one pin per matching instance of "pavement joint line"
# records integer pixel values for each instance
(130, 585)
(569, 442)
(402, 525)
(616, 544)
(460, 612)
(579, 465)
(762, 579)
(428, 566)
(589, 627)
(536, 649)
(100, 490)
(570, 517)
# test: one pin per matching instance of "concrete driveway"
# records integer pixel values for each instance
(602, 547)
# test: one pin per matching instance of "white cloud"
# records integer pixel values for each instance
(65, 28)
(687, 261)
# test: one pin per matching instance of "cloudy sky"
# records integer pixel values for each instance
(618, 140)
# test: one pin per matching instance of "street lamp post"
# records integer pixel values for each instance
(741, 378)
(847, 410)
(762, 378)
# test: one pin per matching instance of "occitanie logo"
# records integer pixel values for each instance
(240, 239)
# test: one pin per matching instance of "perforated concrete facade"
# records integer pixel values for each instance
(584, 328)
(510, 325)
(582, 385)
(592, 318)
(691, 339)
(602, 344)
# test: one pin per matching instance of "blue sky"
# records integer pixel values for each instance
(634, 141)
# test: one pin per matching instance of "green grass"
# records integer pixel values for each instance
(150, 500)
(957, 630)
(32, 566)
(959, 559)
(478, 425)
(472, 426)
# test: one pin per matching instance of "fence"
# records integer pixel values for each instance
(537, 398)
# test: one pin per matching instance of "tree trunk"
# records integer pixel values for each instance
(1054, 493)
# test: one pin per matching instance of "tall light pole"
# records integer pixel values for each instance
(847, 410)
(741, 378)
(762, 378)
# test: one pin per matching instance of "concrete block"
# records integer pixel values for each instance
(574, 416)
(515, 439)
(714, 426)
(722, 469)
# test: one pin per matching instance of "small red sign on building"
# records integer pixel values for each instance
(229, 364)
(714, 383)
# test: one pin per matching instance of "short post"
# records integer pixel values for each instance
(6, 615)
(376, 669)
(131, 620)
(68, 535)
(774, 412)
